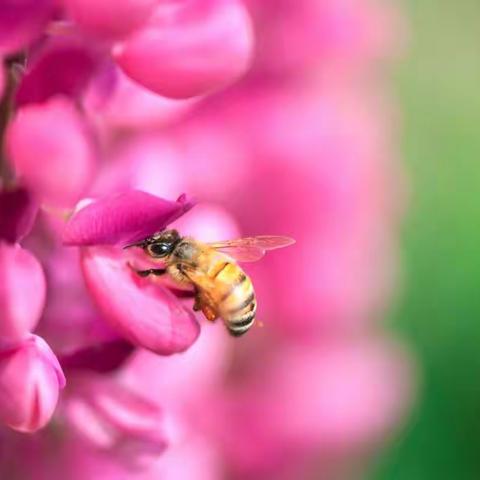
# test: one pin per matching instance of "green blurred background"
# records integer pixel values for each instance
(438, 86)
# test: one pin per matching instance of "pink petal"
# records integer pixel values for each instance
(51, 152)
(184, 382)
(61, 68)
(2, 77)
(190, 48)
(115, 419)
(109, 18)
(122, 218)
(21, 21)
(114, 100)
(70, 322)
(22, 292)
(18, 211)
(340, 398)
(145, 313)
(360, 391)
(149, 163)
(30, 379)
(102, 357)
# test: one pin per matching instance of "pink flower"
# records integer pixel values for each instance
(109, 19)
(22, 21)
(150, 163)
(2, 77)
(50, 150)
(30, 379)
(114, 101)
(116, 420)
(18, 211)
(145, 313)
(342, 397)
(325, 35)
(122, 219)
(59, 67)
(189, 48)
(111, 116)
(21, 277)
(68, 298)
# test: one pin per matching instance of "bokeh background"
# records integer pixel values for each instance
(437, 87)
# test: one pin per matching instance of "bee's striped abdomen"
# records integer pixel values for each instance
(237, 304)
(240, 322)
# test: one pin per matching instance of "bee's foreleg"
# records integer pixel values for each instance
(197, 305)
(151, 271)
(201, 304)
(209, 312)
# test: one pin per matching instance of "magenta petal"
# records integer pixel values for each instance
(190, 48)
(30, 379)
(123, 218)
(109, 19)
(116, 420)
(21, 21)
(22, 292)
(144, 312)
(50, 148)
(61, 68)
(2, 78)
(103, 357)
(18, 211)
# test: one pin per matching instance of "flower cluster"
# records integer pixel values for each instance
(110, 111)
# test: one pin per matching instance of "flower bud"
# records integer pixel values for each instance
(30, 379)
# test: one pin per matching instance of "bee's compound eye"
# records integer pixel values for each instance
(159, 249)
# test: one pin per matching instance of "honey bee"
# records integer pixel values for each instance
(222, 289)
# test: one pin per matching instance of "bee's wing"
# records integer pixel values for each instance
(251, 249)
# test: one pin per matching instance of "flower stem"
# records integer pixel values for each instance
(12, 65)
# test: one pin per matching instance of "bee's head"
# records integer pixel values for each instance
(159, 245)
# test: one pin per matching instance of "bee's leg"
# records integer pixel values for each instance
(209, 312)
(197, 305)
(151, 271)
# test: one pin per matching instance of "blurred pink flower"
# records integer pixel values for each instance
(49, 147)
(115, 420)
(343, 397)
(30, 379)
(2, 77)
(347, 35)
(114, 101)
(18, 211)
(21, 275)
(109, 19)
(58, 67)
(189, 48)
(68, 298)
(22, 21)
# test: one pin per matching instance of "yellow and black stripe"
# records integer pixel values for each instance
(237, 303)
